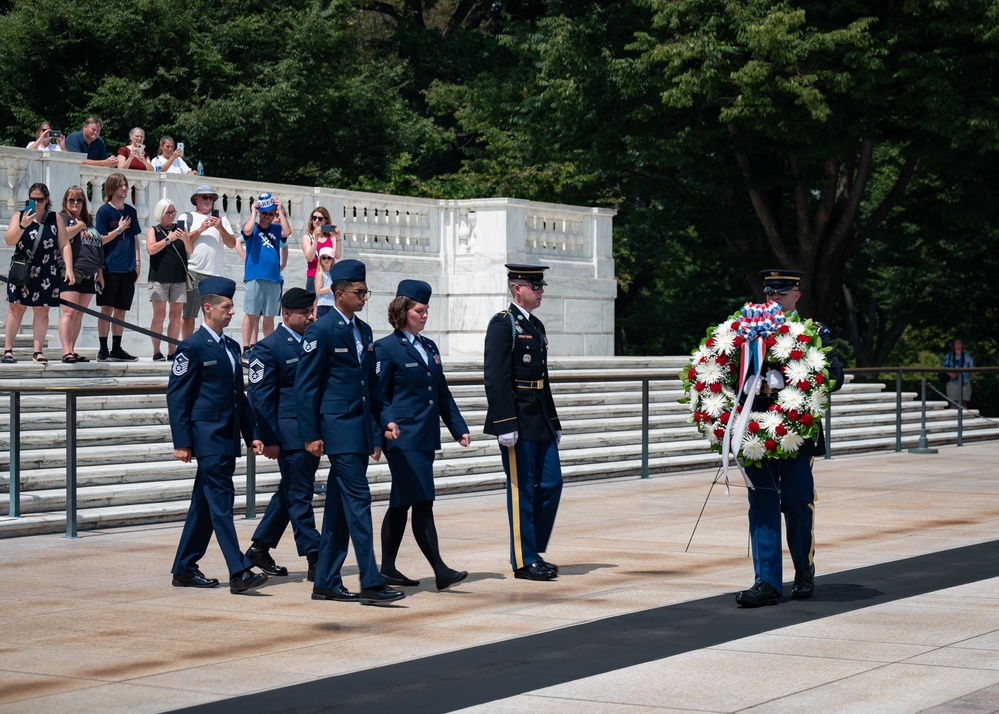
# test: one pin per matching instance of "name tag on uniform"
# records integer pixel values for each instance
(412, 364)
(340, 349)
(293, 360)
(209, 364)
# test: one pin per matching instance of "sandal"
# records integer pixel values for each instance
(69, 358)
(39, 358)
(80, 358)
(8, 357)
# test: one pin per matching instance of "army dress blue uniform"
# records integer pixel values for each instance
(209, 413)
(520, 400)
(340, 402)
(272, 378)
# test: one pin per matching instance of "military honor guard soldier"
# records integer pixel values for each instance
(271, 375)
(785, 485)
(209, 412)
(521, 414)
(341, 412)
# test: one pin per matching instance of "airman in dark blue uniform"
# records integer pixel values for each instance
(521, 414)
(785, 485)
(208, 414)
(341, 412)
(272, 372)
(411, 372)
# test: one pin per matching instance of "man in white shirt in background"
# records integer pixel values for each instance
(210, 232)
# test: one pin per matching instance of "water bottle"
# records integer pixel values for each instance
(201, 169)
(157, 167)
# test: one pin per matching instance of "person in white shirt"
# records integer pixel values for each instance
(209, 233)
(170, 159)
(44, 141)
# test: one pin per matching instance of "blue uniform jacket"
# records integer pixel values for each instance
(339, 398)
(272, 389)
(208, 407)
(418, 393)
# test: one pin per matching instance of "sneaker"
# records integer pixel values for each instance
(103, 356)
(121, 355)
(246, 355)
(170, 357)
(158, 357)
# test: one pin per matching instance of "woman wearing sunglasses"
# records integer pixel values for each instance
(314, 240)
(87, 255)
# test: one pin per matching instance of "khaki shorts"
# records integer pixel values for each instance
(193, 305)
(168, 292)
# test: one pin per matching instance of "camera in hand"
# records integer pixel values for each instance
(55, 134)
(328, 228)
(181, 225)
(215, 213)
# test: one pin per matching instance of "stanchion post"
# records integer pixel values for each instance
(923, 447)
(71, 464)
(898, 411)
(14, 506)
(645, 428)
(251, 486)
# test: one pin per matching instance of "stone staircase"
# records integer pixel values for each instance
(126, 473)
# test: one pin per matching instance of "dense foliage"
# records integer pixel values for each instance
(855, 140)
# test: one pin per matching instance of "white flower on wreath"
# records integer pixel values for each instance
(769, 421)
(715, 404)
(815, 402)
(791, 441)
(753, 448)
(783, 346)
(796, 328)
(797, 371)
(724, 338)
(703, 352)
(790, 397)
(710, 372)
(815, 359)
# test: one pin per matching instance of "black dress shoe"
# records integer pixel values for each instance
(550, 566)
(196, 579)
(261, 557)
(535, 571)
(455, 576)
(757, 596)
(804, 583)
(247, 580)
(398, 580)
(311, 559)
(385, 596)
(340, 594)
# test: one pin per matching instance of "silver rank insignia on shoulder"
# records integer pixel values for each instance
(527, 358)
(180, 364)
(378, 367)
(255, 373)
(308, 346)
(519, 328)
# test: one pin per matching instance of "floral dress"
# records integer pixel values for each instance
(43, 274)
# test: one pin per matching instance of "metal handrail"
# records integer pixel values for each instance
(75, 389)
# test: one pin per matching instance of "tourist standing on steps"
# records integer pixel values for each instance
(118, 225)
(411, 372)
(959, 386)
(272, 376)
(784, 485)
(521, 414)
(209, 412)
(209, 232)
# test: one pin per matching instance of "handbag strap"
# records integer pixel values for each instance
(38, 238)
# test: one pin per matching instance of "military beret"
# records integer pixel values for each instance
(350, 270)
(214, 285)
(414, 290)
(297, 298)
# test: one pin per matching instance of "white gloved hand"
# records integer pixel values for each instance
(752, 386)
(558, 437)
(509, 439)
(775, 379)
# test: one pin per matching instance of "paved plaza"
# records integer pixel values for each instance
(905, 616)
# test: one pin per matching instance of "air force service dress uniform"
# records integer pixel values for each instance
(209, 414)
(785, 486)
(340, 402)
(272, 391)
(520, 400)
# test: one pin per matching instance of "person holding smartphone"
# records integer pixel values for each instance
(171, 158)
(168, 245)
(319, 234)
(46, 139)
(133, 156)
(210, 233)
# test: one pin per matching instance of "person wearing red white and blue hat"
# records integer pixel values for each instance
(209, 414)
(784, 485)
(411, 372)
(264, 249)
